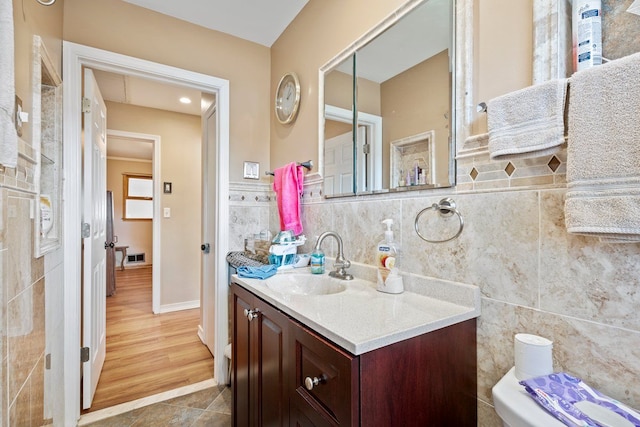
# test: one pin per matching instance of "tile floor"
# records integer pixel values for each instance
(205, 408)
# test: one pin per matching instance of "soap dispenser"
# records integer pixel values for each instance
(389, 278)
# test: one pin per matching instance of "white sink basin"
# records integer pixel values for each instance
(305, 284)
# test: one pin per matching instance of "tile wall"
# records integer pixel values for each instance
(22, 299)
(534, 276)
(249, 211)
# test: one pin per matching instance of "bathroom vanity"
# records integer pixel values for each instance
(310, 350)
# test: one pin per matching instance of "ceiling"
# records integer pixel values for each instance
(258, 21)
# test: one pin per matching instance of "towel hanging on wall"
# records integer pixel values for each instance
(603, 152)
(528, 122)
(8, 135)
(288, 184)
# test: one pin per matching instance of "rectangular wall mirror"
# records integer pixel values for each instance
(388, 106)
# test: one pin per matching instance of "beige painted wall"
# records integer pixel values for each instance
(180, 159)
(138, 235)
(320, 31)
(503, 50)
(415, 101)
(338, 89)
(124, 28)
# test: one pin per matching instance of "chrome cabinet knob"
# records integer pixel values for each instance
(309, 382)
(251, 314)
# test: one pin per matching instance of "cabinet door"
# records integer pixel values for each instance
(261, 354)
(241, 356)
(272, 365)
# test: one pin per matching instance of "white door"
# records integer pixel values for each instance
(94, 256)
(364, 168)
(208, 276)
(338, 164)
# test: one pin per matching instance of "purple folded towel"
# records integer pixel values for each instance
(558, 393)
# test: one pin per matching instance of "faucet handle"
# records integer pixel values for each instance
(342, 263)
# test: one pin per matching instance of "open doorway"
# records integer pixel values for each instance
(135, 155)
(75, 58)
(146, 352)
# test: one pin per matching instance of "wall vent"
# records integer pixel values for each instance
(135, 258)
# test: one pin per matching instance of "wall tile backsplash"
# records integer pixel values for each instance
(22, 298)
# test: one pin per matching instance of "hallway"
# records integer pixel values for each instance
(146, 353)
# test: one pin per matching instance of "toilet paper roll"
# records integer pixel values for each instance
(533, 356)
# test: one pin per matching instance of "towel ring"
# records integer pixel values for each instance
(446, 207)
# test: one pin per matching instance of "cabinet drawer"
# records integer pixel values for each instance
(326, 379)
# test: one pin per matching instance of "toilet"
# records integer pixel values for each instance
(517, 409)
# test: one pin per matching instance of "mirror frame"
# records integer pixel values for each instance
(552, 49)
(462, 110)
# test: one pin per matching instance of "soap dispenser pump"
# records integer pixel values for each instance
(389, 278)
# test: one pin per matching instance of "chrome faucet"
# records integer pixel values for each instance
(341, 264)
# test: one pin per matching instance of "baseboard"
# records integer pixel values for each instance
(201, 334)
(187, 305)
(133, 266)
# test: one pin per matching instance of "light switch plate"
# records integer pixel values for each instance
(18, 118)
(167, 212)
(251, 170)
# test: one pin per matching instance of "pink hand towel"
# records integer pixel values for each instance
(288, 184)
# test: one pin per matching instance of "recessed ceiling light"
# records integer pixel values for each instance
(185, 100)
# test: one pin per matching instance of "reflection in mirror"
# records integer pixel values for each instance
(403, 94)
(338, 130)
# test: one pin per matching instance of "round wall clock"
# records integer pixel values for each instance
(287, 98)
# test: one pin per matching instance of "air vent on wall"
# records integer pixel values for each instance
(135, 258)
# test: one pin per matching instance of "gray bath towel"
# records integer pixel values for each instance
(528, 122)
(603, 152)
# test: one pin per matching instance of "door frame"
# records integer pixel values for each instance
(75, 56)
(156, 259)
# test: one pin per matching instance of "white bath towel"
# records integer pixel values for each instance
(603, 152)
(8, 135)
(528, 122)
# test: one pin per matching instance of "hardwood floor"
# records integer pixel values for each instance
(147, 353)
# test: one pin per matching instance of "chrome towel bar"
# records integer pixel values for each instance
(307, 164)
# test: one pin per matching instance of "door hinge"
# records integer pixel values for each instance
(366, 148)
(86, 105)
(47, 361)
(84, 354)
(86, 230)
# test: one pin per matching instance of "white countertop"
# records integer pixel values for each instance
(361, 319)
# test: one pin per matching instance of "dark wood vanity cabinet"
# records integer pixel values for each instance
(428, 380)
(260, 361)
